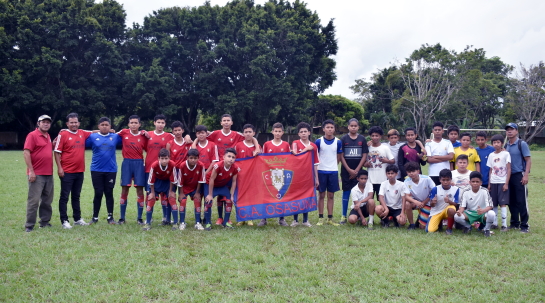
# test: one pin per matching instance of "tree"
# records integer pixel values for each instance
(338, 109)
(527, 97)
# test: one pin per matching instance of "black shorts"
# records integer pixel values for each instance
(394, 212)
(376, 190)
(364, 212)
(347, 183)
(499, 197)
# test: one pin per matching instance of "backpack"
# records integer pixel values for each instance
(520, 150)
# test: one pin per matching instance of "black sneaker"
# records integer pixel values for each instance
(140, 222)
(513, 227)
(44, 225)
(467, 230)
(165, 223)
(110, 220)
(93, 221)
(487, 233)
(524, 230)
(494, 226)
(411, 227)
(121, 221)
(384, 223)
(29, 229)
(448, 231)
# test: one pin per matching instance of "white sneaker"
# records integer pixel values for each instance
(294, 223)
(182, 226)
(307, 224)
(80, 222)
(198, 226)
(66, 225)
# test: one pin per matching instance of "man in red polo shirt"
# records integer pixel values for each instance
(39, 161)
(70, 159)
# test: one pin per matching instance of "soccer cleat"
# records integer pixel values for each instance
(198, 226)
(282, 222)
(307, 224)
(174, 227)
(29, 229)
(320, 222)
(504, 228)
(513, 227)
(230, 222)
(330, 222)
(122, 221)
(219, 221)
(228, 225)
(487, 233)
(370, 227)
(45, 225)
(146, 227)
(343, 220)
(467, 230)
(524, 230)
(294, 223)
(66, 225)
(139, 221)
(494, 226)
(250, 223)
(183, 225)
(263, 222)
(80, 222)
(384, 223)
(110, 220)
(411, 227)
(93, 221)
(208, 227)
(165, 223)
(240, 223)
(448, 231)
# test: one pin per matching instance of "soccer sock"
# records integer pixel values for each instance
(174, 208)
(461, 220)
(163, 206)
(207, 212)
(122, 206)
(197, 211)
(503, 216)
(496, 212)
(305, 217)
(296, 218)
(346, 196)
(169, 213)
(371, 217)
(490, 218)
(450, 223)
(140, 206)
(220, 207)
(183, 204)
(320, 216)
(228, 207)
(329, 217)
(149, 214)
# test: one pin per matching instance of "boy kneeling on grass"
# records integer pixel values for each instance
(363, 205)
(392, 199)
(444, 199)
(476, 206)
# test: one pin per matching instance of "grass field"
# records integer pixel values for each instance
(112, 263)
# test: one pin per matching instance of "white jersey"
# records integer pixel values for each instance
(461, 180)
(420, 191)
(392, 193)
(328, 150)
(471, 200)
(498, 165)
(452, 193)
(442, 148)
(377, 171)
(357, 195)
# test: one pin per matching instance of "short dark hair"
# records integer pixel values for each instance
(328, 121)
(164, 153)
(231, 150)
(159, 117)
(193, 152)
(353, 120)
(362, 172)
(438, 123)
(497, 137)
(104, 119)
(248, 126)
(71, 116)
(475, 174)
(445, 173)
(177, 124)
(481, 134)
(462, 157)
(453, 128)
(375, 130)
(466, 134)
(392, 167)
(411, 166)
(408, 129)
(278, 125)
(200, 128)
(226, 116)
(134, 117)
(304, 125)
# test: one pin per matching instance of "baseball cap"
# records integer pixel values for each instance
(512, 125)
(44, 117)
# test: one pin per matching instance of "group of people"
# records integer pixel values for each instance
(463, 189)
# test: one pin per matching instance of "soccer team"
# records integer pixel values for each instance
(464, 188)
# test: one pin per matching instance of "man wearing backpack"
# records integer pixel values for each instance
(521, 163)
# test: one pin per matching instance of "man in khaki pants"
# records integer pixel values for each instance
(38, 154)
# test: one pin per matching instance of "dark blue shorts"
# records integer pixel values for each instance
(328, 182)
(218, 191)
(162, 186)
(133, 170)
(192, 194)
(147, 187)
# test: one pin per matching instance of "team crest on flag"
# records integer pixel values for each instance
(278, 182)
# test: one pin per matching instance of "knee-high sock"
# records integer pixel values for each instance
(346, 196)
(197, 204)
(228, 207)
(183, 204)
(207, 212)
(164, 207)
(461, 220)
(122, 206)
(503, 216)
(220, 207)
(496, 212)
(140, 206)
(149, 210)
(490, 218)
(172, 205)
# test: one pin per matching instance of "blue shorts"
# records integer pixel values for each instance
(161, 186)
(133, 170)
(192, 194)
(147, 187)
(328, 182)
(218, 191)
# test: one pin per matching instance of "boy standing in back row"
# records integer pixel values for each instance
(439, 153)
(378, 158)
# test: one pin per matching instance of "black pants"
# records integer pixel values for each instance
(103, 183)
(518, 201)
(376, 190)
(70, 186)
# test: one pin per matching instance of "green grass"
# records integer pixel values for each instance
(104, 263)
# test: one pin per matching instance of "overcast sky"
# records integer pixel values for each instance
(371, 34)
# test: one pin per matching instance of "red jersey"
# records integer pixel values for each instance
(154, 145)
(224, 141)
(178, 152)
(299, 146)
(188, 178)
(133, 145)
(71, 146)
(208, 153)
(244, 151)
(270, 148)
(223, 175)
(162, 173)
(41, 153)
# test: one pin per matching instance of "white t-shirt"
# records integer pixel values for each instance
(395, 151)
(442, 148)
(377, 171)
(357, 195)
(392, 193)
(439, 192)
(461, 180)
(420, 191)
(472, 200)
(498, 165)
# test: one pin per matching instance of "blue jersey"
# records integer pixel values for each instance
(103, 147)
(483, 154)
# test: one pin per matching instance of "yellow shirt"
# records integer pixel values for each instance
(472, 156)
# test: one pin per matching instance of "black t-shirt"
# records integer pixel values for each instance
(353, 150)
